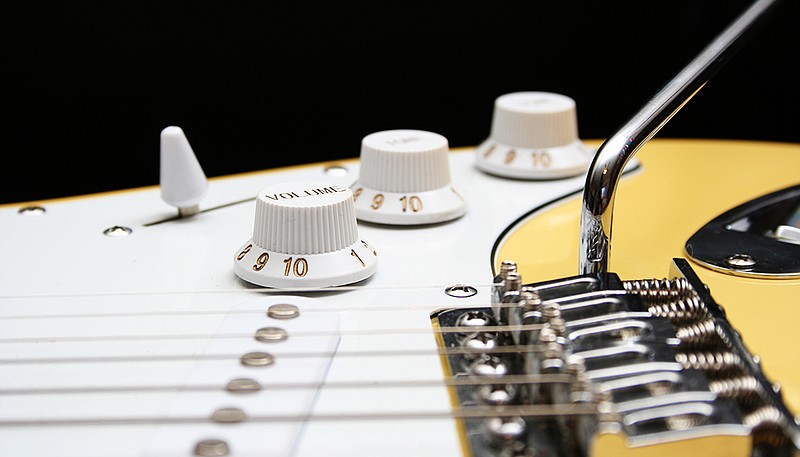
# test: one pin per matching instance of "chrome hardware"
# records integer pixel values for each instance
(740, 261)
(767, 423)
(336, 170)
(243, 386)
(117, 231)
(475, 319)
(283, 311)
(656, 291)
(679, 311)
(211, 448)
(461, 291)
(31, 211)
(482, 341)
(506, 431)
(716, 363)
(612, 156)
(753, 239)
(489, 366)
(744, 389)
(257, 359)
(271, 335)
(657, 357)
(496, 394)
(700, 334)
(228, 415)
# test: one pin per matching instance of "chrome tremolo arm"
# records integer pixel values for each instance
(609, 162)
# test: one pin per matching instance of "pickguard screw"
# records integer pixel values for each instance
(740, 261)
(117, 231)
(31, 211)
(336, 170)
(461, 291)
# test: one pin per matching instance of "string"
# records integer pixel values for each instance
(459, 412)
(540, 379)
(288, 355)
(326, 309)
(253, 290)
(463, 412)
(294, 334)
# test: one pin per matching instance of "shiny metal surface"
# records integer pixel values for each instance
(211, 448)
(744, 241)
(32, 211)
(616, 151)
(283, 311)
(645, 352)
(271, 335)
(733, 342)
(257, 359)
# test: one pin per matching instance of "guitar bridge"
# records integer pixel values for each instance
(576, 367)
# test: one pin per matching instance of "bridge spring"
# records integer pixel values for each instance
(745, 390)
(685, 421)
(680, 311)
(658, 291)
(718, 363)
(767, 424)
(699, 334)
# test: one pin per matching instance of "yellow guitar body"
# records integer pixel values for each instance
(681, 186)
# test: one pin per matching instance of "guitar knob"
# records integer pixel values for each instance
(305, 235)
(534, 136)
(405, 179)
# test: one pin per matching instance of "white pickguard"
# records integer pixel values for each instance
(81, 310)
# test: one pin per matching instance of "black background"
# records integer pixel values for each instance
(88, 87)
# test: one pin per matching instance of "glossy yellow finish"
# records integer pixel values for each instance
(451, 391)
(615, 444)
(681, 186)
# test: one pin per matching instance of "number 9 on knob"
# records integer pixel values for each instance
(405, 179)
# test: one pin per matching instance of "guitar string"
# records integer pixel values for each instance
(446, 351)
(260, 311)
(463, 412)
(162, 313)
(441, 351)
(468, 380)
(234, 291)
(293, 334)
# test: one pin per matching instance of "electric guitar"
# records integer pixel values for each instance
(451, 319)
(138, 344)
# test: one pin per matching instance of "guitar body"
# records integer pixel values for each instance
(128, 345)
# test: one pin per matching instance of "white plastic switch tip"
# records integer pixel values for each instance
(183, 183)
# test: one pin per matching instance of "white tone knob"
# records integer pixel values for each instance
(405, 179)
(183, 183)
(305, 236)
(534, 136)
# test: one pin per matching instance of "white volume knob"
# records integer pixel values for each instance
(405, 179)
(305, 235)
(534, 136)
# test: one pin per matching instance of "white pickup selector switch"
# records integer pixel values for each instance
(534, 136)
(405, 179)
(305, 235)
